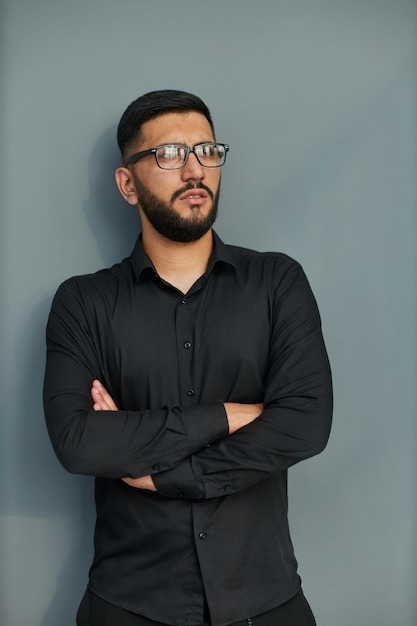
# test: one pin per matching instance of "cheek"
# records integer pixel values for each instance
(163, 184)
(212, 180)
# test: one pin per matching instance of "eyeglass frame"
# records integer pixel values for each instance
(134, 158)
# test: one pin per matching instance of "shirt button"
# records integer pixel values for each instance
(184, 301)
(228, 488)
(190, 393)
(202, 536)
(187, 345)
(156, 467)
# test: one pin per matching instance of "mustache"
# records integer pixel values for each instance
(190, 186)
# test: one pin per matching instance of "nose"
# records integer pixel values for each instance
(192, 170)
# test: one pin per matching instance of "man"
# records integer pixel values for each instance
(187, 379)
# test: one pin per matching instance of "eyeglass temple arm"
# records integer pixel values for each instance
(138, 155)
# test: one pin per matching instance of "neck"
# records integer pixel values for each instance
(179, 264)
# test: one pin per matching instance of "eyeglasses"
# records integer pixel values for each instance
(174, 156)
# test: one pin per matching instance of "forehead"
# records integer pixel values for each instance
(188, 128)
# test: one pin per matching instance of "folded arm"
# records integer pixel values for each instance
(108, 443)
(239, 415)
(296, 420)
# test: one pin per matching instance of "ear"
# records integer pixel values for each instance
(126, 185)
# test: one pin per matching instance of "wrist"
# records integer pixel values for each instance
(239, 415)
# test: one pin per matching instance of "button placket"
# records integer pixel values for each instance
(185, 341)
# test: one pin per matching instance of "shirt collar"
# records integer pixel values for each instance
(141, 262)
(139, 259)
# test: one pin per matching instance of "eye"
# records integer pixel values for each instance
(170, 152)
(207, 150)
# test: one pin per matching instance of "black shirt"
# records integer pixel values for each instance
(247, 331)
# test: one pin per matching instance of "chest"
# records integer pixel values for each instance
(210, 346)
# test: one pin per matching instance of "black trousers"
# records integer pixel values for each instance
(94, 611)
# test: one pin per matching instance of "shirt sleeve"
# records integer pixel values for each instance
(110, 444)
(295, 424)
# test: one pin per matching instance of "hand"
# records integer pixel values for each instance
(104, 402)
(101, 398)
(239, 415)
(144, 482)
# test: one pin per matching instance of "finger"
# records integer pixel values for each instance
(96, 395)
(144, 482)
(99, 403)
(102, 398)
(102, 401)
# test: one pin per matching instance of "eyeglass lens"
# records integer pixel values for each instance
(174, 156)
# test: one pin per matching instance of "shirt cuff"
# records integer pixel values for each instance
(179, 482)
(205, 424)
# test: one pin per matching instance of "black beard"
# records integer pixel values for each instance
(167, 222)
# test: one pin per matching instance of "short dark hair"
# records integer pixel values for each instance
(150, 106)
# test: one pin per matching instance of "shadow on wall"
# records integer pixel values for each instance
(52, 511)
(114, 224)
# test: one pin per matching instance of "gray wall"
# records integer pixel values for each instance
(318, 102)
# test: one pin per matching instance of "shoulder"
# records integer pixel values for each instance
(250, 255)
(94, 287)
(278, 273)
(275, 263)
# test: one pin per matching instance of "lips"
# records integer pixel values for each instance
(194, 197)
(194, 194)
